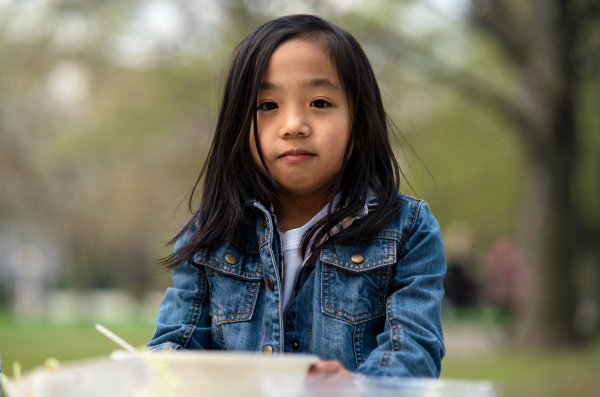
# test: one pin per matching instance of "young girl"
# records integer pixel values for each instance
(302, 242)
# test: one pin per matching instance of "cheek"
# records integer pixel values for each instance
(337, 145)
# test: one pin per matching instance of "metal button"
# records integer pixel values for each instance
(268, 350)
(296, 345)
(357, 258)
(264, 222)
(270, 284)
(231, 259)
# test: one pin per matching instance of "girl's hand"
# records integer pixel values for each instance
(327, 368)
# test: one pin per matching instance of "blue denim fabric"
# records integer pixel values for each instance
(378, 317)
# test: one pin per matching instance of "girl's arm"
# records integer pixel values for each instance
(183, 320)
(412, 343)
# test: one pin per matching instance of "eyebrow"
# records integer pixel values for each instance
(313, 83)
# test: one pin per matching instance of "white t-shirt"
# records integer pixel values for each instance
(292, 257)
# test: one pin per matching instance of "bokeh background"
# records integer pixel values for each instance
(106, 115)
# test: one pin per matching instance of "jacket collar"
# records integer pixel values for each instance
(370, 202)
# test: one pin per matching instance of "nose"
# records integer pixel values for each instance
(294, 124)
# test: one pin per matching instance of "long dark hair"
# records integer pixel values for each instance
(230, 175)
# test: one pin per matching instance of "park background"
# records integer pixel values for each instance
(106, 114)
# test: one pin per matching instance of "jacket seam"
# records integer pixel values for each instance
(225, 269)
(262, 336)
(394, 330)
(265, 239)
(385, 261)
(384, 359)
(197, 313)
(414, 216)
(220, 334)
(358, 336)
(280, 324)
(312, 315)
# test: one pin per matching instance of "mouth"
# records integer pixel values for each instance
(296, 155)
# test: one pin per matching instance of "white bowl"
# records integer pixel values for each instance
(160, 374)
(215, 373)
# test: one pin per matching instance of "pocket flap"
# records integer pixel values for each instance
(228, 259)
(362, 255)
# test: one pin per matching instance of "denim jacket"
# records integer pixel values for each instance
(377, 312)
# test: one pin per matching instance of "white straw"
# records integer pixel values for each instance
(118, 340)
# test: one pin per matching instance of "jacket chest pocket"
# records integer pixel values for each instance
(231, 299)
(234, 280)
(355, 280)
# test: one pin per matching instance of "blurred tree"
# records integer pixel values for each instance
(89, 129)
(539, 78)
(548, 46)
(550, 56)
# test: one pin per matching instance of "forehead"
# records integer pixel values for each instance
(300, 57)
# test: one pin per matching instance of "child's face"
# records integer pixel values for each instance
(303, 119)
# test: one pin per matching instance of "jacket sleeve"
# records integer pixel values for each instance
(412, 342)
(183, 320)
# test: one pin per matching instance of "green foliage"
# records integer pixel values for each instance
(470, 170)
(532, 374)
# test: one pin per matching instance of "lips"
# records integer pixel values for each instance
(296, 155)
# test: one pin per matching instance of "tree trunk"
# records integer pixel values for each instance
(544, 115)
(550, 249)
(550, 224)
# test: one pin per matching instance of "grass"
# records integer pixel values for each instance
(558, 372)
(482, 353)
(32, 342)
(548, 373)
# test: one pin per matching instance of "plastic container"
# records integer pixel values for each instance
(365, 386)
(160, 374)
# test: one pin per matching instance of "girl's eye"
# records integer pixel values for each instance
(320, 103)
(267, 106)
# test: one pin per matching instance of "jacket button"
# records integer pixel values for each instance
(268, 350)
(264, 222)
(231, 259)
(295, 345)
(270, 283)
(357, 258)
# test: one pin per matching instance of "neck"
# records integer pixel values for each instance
(294, 212)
